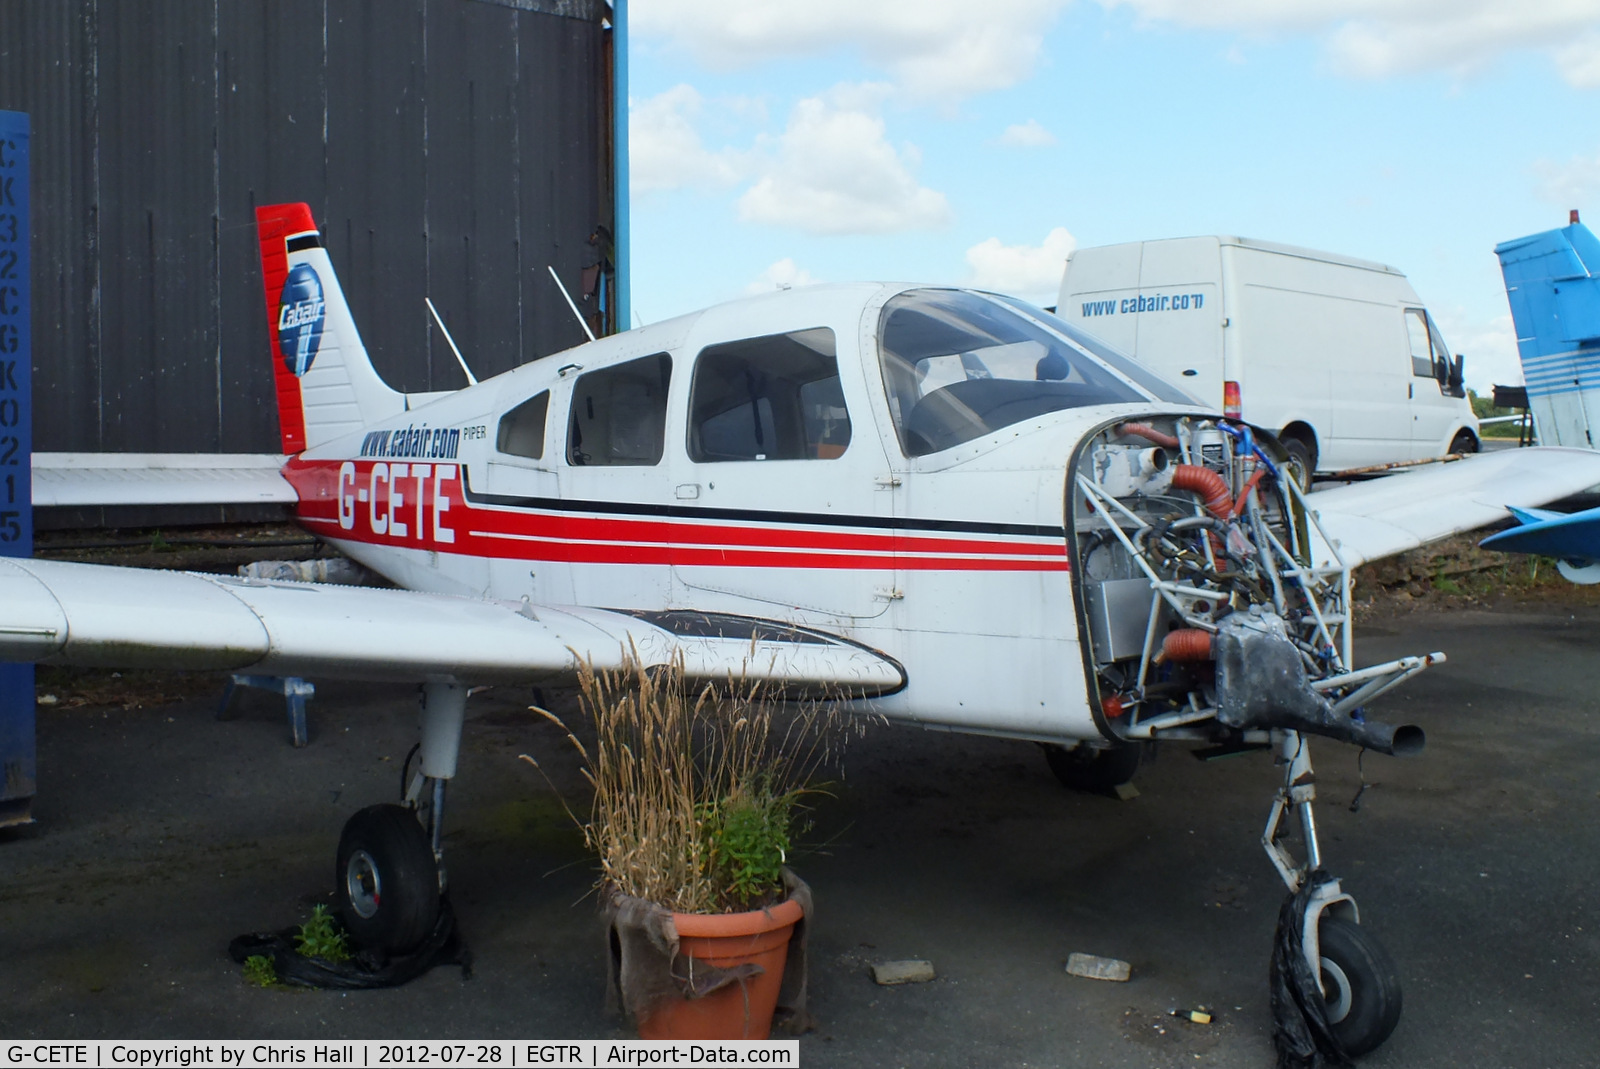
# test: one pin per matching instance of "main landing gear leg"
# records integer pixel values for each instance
(1357, 978)
(390, 871)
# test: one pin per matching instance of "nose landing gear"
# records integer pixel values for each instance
(1343, 995)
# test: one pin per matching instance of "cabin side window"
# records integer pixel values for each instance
(770, 398)
(521, 432)
(619, 414)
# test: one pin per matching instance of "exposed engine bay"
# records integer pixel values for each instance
(1216, 610)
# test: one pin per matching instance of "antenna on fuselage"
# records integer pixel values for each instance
(472, 380)
(570, 303)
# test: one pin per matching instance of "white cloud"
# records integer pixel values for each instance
(1489, 348)
(1378, 38)
(1571, 184)
(1580, 61)
(785, 274)
(1027, 135)
(833, 172)
(665, 150)
(934, 48)
(1032, 271)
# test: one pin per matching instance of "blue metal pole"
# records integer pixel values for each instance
(16, 455)
(619, 62)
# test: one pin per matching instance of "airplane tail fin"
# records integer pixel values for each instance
(326, 385)
(1553, 286)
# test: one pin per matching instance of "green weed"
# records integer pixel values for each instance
(259, 970)
(747, 843)
(321, 937)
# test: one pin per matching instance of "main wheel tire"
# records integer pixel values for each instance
(1097, 771)
(1301, 463)
(1464, 442)
(387, 879)
(1360, 984)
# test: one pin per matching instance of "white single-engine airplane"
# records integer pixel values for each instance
(950, 506)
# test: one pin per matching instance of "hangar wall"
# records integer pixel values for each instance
(448, 148)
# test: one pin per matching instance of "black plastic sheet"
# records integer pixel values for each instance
(366, 968)
(1300, 1026)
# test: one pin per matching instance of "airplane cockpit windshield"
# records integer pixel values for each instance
(957, 366)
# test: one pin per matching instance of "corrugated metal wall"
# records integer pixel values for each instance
(448, 148)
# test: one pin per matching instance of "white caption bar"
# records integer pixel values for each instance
(501, 1054)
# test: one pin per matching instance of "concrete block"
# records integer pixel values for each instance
(1096, 968)
(902, 972)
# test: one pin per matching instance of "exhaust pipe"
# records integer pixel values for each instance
(1262, 683)
(1404, 740)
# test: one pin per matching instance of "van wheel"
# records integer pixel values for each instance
(1463, 442)
(1301, 463)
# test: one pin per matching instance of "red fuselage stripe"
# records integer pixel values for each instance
(424, 508)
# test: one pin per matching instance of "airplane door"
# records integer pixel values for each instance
(779, 497)
(520, 480)
(612, 522)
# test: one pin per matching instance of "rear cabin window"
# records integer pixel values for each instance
(619, 414)
(771, 398)
(521, 432)
(958, 365)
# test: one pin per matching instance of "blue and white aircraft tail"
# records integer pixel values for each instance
(1553, 285)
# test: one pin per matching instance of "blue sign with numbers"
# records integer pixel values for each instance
(16, 454)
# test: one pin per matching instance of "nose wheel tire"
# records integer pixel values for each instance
(1360, 986)
(1097, 771)
(387, 879)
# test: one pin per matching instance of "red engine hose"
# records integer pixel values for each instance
(1189, 644)
(1250, 484)
(1144, 430)
(1208, 484)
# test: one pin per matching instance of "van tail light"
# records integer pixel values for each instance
(1230, 399)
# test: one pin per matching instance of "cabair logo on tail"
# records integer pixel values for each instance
(300, 318)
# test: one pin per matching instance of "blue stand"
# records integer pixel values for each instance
(17, 749)
(295, 691)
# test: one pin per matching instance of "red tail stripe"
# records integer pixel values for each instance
(274, 223)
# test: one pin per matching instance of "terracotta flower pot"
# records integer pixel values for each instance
(743, 1009)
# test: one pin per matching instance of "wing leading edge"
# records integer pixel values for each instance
(54, 612)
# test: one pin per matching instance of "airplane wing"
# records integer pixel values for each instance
(88, 479)
(55, 612)
(1416, 506)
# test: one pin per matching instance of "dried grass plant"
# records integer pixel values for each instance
(697, 789)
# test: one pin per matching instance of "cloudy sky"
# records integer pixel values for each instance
(781, 143)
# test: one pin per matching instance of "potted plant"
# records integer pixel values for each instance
(697, 795)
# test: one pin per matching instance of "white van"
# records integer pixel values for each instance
(1337, 355)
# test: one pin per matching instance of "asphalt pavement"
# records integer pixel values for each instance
(163, 832)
